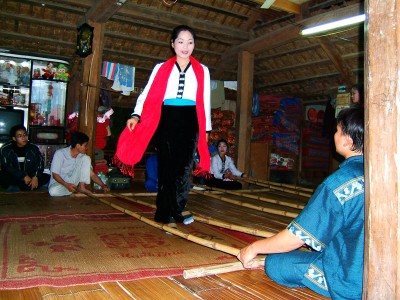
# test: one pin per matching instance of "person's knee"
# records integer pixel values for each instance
(277, 268)
(52, 191)
(55, 191)
(288, 268)
(271, 267)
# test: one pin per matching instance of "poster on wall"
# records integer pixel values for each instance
(342, 102)
(315, 114)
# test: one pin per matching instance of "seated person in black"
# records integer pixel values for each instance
(22, 163)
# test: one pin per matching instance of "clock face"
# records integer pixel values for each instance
(84, 41)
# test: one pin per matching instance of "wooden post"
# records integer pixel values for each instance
(90, 88)
(382, 147)
(243, 109)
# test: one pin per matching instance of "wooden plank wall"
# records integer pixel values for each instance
(382, 225)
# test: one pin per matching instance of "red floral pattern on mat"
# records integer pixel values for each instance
(61, 243)
(28, 264)
(82, 250)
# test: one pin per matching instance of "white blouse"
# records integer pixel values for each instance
(189, 92)
(218, 169)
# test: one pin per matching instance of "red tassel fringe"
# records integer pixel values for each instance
(125, 169)
(198, 172)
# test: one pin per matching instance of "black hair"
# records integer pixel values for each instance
(221, 141)
(78, 138)
(178, 29)
(360, 88)
(351, 120)
(14, 129)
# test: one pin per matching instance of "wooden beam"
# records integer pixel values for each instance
(243, 109)
(382, 147)
(283, 5)
(334, 55)
(146, 13)
(307, 64)
(142, 12)
(282, 36)
(291, 32)
(257, 45)
(90, 88)
(101, 11)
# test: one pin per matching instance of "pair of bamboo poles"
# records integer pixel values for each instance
(222, 268)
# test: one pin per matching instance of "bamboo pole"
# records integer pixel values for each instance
(279, 212)
(290, 186)
(203, 242)
(258, 197)
(275, 220)
(138, 194)
(220, 269)
(278, 187)
(134, 200)
(196, 272)
(207, 220)
(252, 231)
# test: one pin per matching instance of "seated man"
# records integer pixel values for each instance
(71, 168)
(21, 163)
(332, 224)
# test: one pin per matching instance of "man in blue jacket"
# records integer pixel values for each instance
(22, 163)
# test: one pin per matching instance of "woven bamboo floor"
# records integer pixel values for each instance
(261, 217)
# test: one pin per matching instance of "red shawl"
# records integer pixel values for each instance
(132, 144)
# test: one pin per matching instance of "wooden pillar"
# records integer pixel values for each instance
(90, 88)
(243, 109)
(382, 151)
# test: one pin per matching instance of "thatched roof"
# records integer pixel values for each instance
(138, 31)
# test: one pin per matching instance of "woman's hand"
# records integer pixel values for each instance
(229, 175)
(34, 183)
(131, 123)
(27, 180)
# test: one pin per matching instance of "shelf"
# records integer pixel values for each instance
(47, 79)
(12, 106)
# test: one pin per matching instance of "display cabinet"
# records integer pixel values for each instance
(48, 93)
(14, 93)
(38, 87)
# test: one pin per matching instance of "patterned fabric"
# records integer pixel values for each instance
(333, 224)
(181, 80)
(108, 70)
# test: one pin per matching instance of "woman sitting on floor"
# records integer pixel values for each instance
(224, 170)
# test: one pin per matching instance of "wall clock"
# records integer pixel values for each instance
(84, 40)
